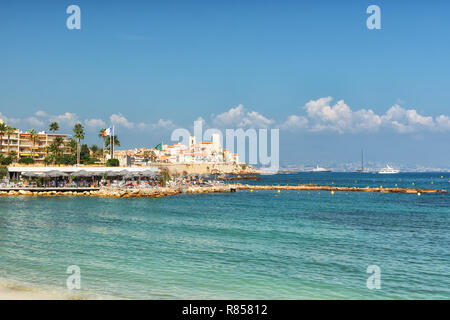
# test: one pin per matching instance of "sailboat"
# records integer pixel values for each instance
(362, 164)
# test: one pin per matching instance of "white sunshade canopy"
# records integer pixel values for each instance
(73, 169)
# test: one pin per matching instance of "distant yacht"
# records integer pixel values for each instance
(388, 170)
(362, 164)
(319, 169)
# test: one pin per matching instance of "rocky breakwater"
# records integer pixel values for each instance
(125, 193)
(315, 187)
(161, 192)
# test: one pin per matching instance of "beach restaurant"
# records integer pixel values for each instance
(81, 176)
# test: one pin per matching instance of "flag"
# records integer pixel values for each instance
(107, 132)
(159, 147)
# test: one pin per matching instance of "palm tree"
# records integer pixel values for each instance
(146, 156)
(54, 126)
(71, 144)
(116, 141)
(102, 136)
(13, 155)
(96, 151)
(152, 155)
(3, 129)
(52, 150)
(79, 135)
(33, 138)
(9, 132)
(59, 141)
(55, 149)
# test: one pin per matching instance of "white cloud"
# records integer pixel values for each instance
(67, 119)
(94, 123)
(10, 121)
(319, 115)
(339, 117)
(443, 123)
(294, 122)
(35, 122)
(165, 123)
(407, 120)
(41, 113)
(322, 115)
(254, 119)
(238, 117)
(119, 119)
(231, 117)
(365, 120)
(161, 124)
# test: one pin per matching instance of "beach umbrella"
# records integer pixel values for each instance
(81, 174)
(128, 175)
(96, 173)
(149, 174)
(113, 174)
(32, 174)
(56, 174)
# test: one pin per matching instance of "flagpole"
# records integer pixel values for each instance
(110, 145)
(113, 143)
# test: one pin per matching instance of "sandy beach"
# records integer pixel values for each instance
(12, 292)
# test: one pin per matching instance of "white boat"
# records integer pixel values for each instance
(319, 169)
(388, 170)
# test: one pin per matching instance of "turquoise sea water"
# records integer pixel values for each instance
(260, 245)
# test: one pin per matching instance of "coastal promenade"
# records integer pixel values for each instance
(46, 189)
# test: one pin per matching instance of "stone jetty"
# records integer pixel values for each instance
(315, 187)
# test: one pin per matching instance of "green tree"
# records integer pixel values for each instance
(50, 159)
(3, 172)
(103, 137)
(54, 126)
(3, 129)
(152, 156)
(71, 144)
(33, 138)
(116, 141)
(26, 160)
(5, 161)
(69, 159)
(96, 151)
(112, 163)
(54, 150)
(85, 154)
(149, 155)
(79, 135)
(13, 154)
(9, 132)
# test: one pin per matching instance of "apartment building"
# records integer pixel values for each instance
(25, 145)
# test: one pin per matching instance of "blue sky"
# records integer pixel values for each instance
(152, 66)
